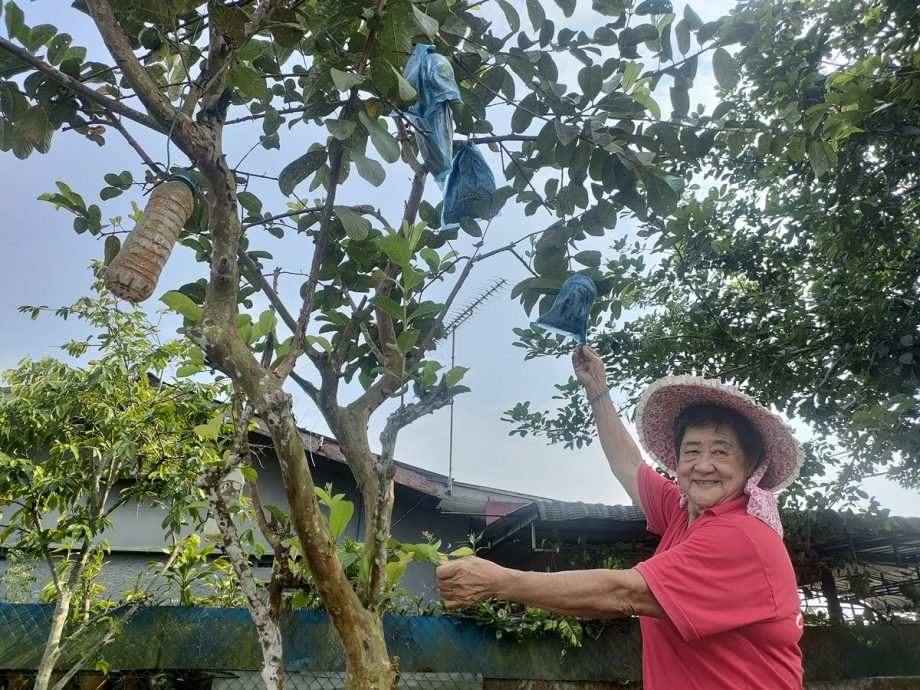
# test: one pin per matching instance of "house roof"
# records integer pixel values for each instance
(885, 549)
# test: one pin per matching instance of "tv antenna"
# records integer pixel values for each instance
(462, 317)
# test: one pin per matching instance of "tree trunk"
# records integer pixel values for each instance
(53, 646)
(267, 625)
(369, 666)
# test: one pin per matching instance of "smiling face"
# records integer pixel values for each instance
(712, 467)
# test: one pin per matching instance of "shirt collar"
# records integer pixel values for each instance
(735, 505)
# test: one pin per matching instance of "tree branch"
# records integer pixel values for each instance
(106, 102)
(77, 635)
(132, 142)
(280, 216)
(283, 111)
(262, 13)
(319, 246)
(306, 386)
(358, 315)
(256, 276)
(402, 417)
(147, 90)
(502, 137)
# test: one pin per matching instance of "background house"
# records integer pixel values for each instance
(848, 565)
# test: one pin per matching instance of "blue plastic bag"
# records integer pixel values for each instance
(433, 78)
(470, 187)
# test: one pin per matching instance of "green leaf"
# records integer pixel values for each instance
(680, 100)
(397, 249)
(250, 202)
(107, 193)
(388, 306)
(181, 303)
(511, 15)
(630, 73)
(521, 119)
(383, 141)
(39, 36)
(266, 323)
(300, 169)
(249, 474)
(340, 129)
(796, 150)
(428, 25)
(566, 133)
(662, 195)
(206, 432)
(654, 7)
(356, 226)
(340, 513)
(58, 47)
(682, 33)
(650, 103)
(822, 156)
(406, 340)
(396, 569)
(452, 377)
(251, 83)
(567, 7)
(14, 20)
(694, 23)
(344, 81)
(462, 552)
(422, 553)
(368, 168)
(34, 124)
(321, 341)
(426, 309)
(725, 68)
(536, 14)
(407, 92)
(112, 247)
(590, 258)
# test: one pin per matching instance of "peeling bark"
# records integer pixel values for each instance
(267, 627)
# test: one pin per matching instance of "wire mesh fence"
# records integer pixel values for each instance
(165, 648)
(189, 648)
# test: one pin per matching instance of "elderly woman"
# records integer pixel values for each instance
(718, 603)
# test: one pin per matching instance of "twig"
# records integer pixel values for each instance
(273, 298)
(132, 142)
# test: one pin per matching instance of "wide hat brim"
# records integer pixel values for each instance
(666, 398)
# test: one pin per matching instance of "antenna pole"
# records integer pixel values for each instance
(450, 446)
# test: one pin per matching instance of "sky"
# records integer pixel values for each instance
(47, 264)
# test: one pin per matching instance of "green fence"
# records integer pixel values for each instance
(167, 647)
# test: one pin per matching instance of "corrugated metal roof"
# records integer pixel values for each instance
(557, 511)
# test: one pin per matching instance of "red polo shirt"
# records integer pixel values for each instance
(729, 590)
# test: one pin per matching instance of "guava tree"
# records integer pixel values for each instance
(795, 270)
(77, 443)
(566, 100)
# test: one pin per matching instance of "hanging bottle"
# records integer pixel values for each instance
(133, 273)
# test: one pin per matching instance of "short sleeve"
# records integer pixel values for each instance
(713, 581)
(660, 499)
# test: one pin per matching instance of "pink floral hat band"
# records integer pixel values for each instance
(665, 399)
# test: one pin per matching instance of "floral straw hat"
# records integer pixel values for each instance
(666, 398)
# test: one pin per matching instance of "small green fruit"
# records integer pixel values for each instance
(150, 38)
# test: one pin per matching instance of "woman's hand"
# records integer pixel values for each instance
(468, 581)
(589, 368)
